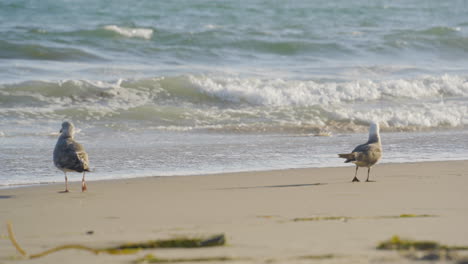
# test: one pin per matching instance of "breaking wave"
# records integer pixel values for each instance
(145, 33)
(231, 104)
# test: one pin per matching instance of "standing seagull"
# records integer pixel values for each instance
(70, 155)
(366, 155)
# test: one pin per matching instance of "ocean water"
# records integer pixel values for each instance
(189, 87)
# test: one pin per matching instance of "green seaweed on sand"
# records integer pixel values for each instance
(125, 249)
(397, 243)
(422, 249)
(414, 215)
(323, 218)
(181, 242)
(150, 258)
(318, 257)
(345, 218)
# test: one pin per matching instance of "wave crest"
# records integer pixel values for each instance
(245, 104)
(145, 33)
(10, 50)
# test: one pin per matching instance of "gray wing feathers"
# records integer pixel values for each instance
(348, 156)
(362, 148)
(364, 155)
(70, 155)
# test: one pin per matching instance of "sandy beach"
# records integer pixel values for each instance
(224, 119)
(283, 216)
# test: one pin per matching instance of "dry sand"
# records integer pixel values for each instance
(255, 210)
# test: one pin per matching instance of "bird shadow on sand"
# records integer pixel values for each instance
(274, 186)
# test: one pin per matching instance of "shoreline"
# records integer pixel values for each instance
(32, 185)
(282, 216)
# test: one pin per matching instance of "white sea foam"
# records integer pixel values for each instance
(145, 33)
(279, 92)
(426, 102)
(234, 103)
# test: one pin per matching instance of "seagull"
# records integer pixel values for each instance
(368, 154)
(70, 155)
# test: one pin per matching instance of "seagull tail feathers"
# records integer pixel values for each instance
(349, 157)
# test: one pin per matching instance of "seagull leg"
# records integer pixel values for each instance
(368, 172)
(355, 175)
(66, 182)
(83, 183)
